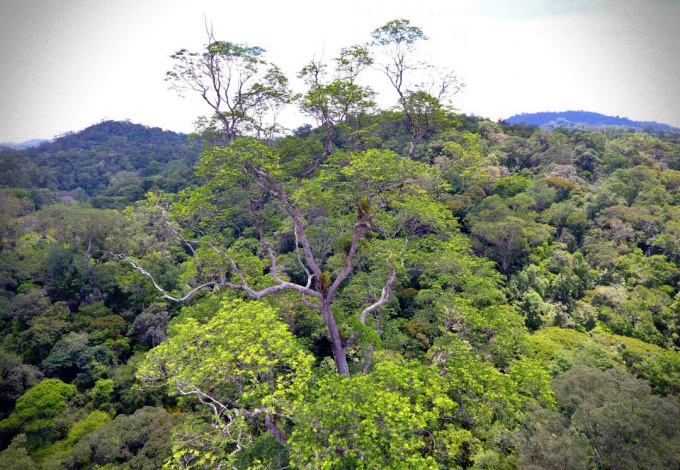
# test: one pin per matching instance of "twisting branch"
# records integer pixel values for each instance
(218, 407)
(264, 182)
(220, 410)
(299, 225)
(159, 288)
(274, 273)
(360, 228)
(310, 276)
(280, 286)
(384, 297)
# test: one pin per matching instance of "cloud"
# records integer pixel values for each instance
(527, 9)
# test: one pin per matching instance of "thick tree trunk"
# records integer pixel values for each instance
(339, 350)
(275, 431)
(328, 142)
(412, 148)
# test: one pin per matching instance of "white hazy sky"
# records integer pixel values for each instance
(71, 63)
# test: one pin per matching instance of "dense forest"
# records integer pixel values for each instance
(391, 288)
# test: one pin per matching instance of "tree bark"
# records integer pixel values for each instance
(328, 141)
(275, 431)
(337, 345)
(412, 148)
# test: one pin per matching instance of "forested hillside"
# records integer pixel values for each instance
(391, 288)
(108, 165)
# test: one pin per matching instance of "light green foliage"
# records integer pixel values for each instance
(385, 418)
(548, 341)
(532, 381)
(509, 186)
(460, 294)
(346, 235)
(244, 353)
(223, 164)
(231, 353)
(91, 422)
(352, 197)
(381, 176)
(561, 349)
(100, 395)
(659, 366)
(37, 410)
(242, 362)
(483, 394)
(380, 420)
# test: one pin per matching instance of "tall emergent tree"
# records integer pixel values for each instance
(330, 233)
(424, 104)
(327, 213)
(352, 196)
(339, 99)
(244, 91)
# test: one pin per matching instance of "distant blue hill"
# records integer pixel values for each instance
(581, 119)
(22, 145)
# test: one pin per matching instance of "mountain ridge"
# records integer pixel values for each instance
(109, 164)
(22, 145)
(578, 119)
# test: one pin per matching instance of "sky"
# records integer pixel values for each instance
(69, 64)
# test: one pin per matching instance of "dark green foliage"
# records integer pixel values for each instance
(110, 164)
(15, 379)
(75, 358)
(462, 231)
(608, 419)
(151, 325)
(16, 457)
(139, 441)
(598, 259)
